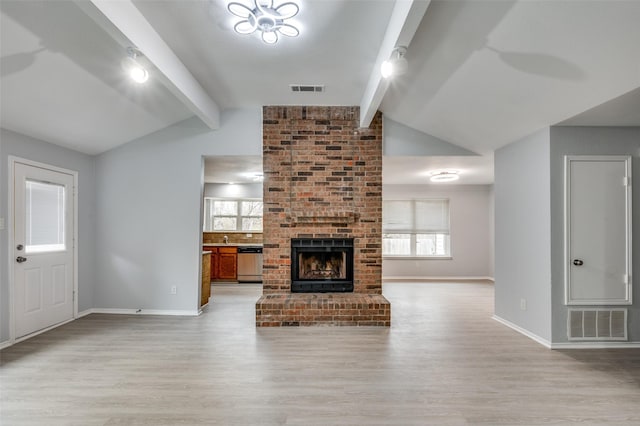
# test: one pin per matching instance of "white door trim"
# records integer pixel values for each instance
(10, 249)
(567, 218)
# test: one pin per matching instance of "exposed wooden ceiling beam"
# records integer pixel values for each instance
(403, 24)
(124, 22)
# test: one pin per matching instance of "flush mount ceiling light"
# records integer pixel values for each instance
(266, 18)
(252, 176)
(396, 65)
(133, 68)
(444, 176)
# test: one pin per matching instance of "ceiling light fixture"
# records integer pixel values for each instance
(444, 176)
(396, 65)
(266, 18)
(133, 68)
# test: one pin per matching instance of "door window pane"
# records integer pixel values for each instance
(44, 217)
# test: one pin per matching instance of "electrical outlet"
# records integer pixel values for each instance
(523, 304)
(174, 289)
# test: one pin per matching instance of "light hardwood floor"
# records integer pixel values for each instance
(444, 361)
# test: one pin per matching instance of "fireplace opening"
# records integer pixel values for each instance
(321, 265)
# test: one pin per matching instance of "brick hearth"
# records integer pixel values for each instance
(323, 179)
(275, 310)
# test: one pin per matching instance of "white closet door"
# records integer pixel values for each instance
(598, 230)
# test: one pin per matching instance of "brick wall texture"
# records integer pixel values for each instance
(322, 179)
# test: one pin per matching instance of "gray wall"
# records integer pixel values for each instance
(522, 234)
(149, 216)
(470, 215)
(32, 149)
(590, 141)
(492, 231)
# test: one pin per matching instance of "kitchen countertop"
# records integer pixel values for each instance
(206, 252)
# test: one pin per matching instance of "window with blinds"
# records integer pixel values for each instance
(232, 215)
(416, 228)
(45, 217)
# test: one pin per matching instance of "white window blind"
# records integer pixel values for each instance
(432, 216)
(45, 214)
(417, 228)
(397, 216)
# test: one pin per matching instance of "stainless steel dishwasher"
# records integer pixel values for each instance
(250, 264)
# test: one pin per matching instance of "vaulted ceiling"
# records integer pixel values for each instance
(481, 73)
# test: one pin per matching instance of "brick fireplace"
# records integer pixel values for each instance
(323, 185)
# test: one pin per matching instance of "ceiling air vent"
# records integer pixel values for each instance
(307, 88)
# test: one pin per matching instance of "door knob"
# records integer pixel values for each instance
(21, 259)
(578, 262)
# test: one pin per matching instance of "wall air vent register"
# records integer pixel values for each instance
(597, 324)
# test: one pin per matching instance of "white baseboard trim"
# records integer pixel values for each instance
(530, 335)
(596, 345)
(567, 345)
(424, 278)
(5, 344)
(84, 313)
(164, 312)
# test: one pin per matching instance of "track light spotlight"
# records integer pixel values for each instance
(396, 65)
(133, 68)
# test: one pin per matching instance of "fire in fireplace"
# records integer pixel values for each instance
(321, 265)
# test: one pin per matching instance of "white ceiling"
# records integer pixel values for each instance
(485, 73)
(473, 170)
(481, 74)
(232, 169)
(62, 81)
(337, 47)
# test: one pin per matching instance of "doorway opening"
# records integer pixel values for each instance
(232, 211)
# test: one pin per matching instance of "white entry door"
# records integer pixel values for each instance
(598, 230)
(43, 253)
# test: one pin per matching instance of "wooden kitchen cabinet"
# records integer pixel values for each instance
(228, 263)
(214, 263)
(224, 263)
(205, 291)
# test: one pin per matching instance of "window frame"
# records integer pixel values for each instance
(413, 232)
(208, 216)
